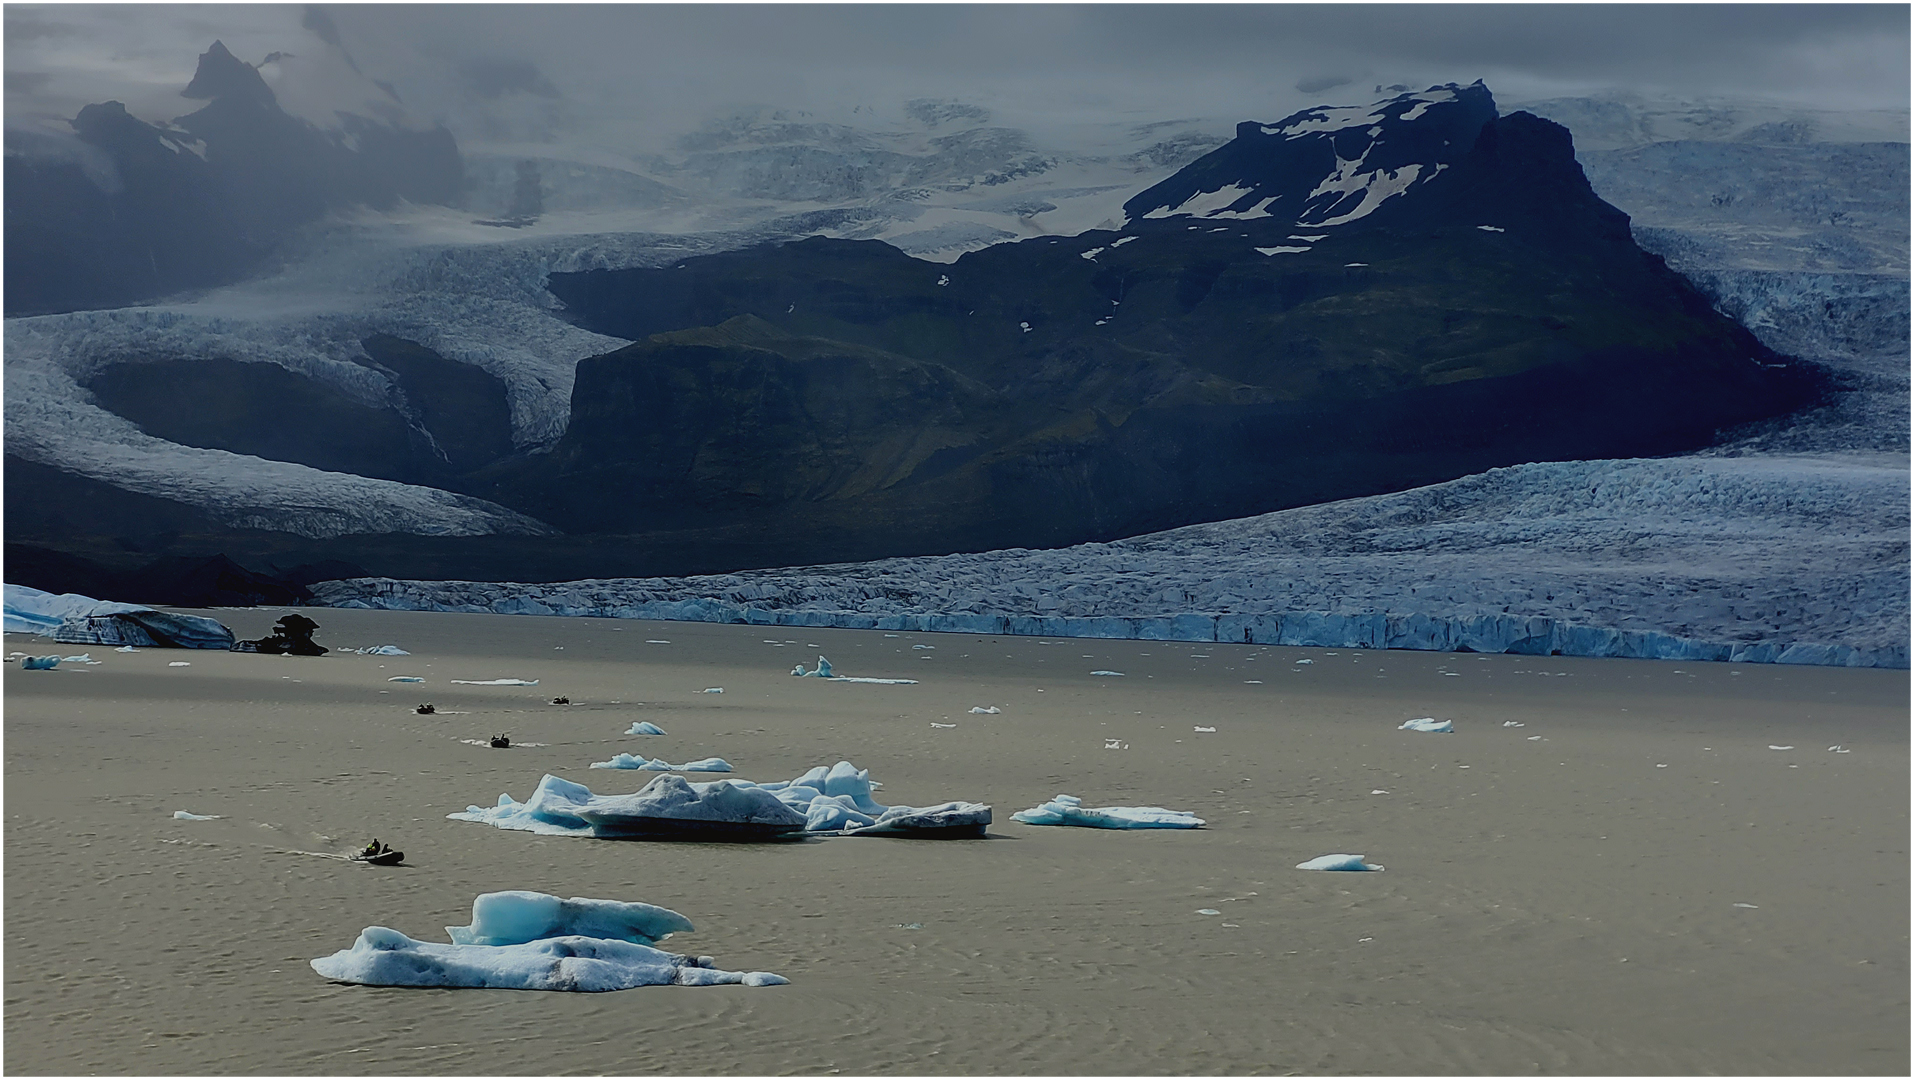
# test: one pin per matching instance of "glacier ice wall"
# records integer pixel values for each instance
(1795, 559)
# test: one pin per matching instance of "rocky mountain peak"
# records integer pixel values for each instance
(221, 76)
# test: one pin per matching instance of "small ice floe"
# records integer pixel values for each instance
(1839, 750)
(991, 710)
(1106, 673)
(1115, 744)
(1490, 228)
(1252, 682)
(1378, 791)
(934, 723)
(824, 672)
(39, 663)
(1537, 738)
(645, 727)
(1771, 746)
(83, 658)
(495, 682)
(532, 941)
(923, 646)
(1452, 675)
(382, 650)
(181, 815)
(1207, 911)
(1200, 727)
(629, 761)
(656, 641)
(1428, 724)
(178, 663)
(126, 648)
(1305, 660)
(1337, 862)
(405, 678)
(1069, 810)
(1749, 906)
(1513, 723)
(712, 690)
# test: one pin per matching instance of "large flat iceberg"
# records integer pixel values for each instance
(532, 941)
(1069, 810)
(73, 619)
(830, 800)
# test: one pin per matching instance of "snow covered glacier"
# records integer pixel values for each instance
(1797, 559)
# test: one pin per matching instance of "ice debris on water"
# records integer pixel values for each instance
(126, 648)
(532, 941)
(645, 727)
(1115, 744)
(824, 672)
(1069, 810)
(405, 678)
(1207, 911)
(1304, 661)
(1773, 747)
(1839, 750)
(180, 663)
(826, 799)
(39, 663)
(1513, 723)
(1200, 727)
(1428, 724)
(382, 650)
(1742, 905)
(986, 710)
(712, 690)
(1106, 673)
(181, 815)
(83, 658)
(934, 723)
(495, 682)
(629, 761)
(1337, 862)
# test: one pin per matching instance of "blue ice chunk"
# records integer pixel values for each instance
(1069, 810)
(1106, 673)
(385, 957)
(383, 650)
(1428, 724)
(1337, 862)
(645, 727)
(515, 917)
(630, 761)
(39, 663)
(833, 813)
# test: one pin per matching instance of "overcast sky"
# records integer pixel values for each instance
(668, 67)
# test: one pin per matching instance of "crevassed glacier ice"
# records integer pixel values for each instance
(515, 916)
(385, 957)
(1755, 559)
(1069, 810)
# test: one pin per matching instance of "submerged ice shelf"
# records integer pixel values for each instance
(1798, 559)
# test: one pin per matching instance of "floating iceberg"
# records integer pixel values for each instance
(405, 678)
(532, 941)
(1106, 673)
(1337, 862)
(181, 815)
(645, 727)
(1428, 724)
(824, 672)
(516, 917)
(629, 761)
(825, 800)
(73, 619)
(39, 663)
(382, 650)
(494, 682)
(1069, 810)
(986, 710)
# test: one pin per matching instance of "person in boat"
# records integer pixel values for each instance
(374, 848)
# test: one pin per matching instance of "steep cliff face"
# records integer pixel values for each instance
(1343, 303)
